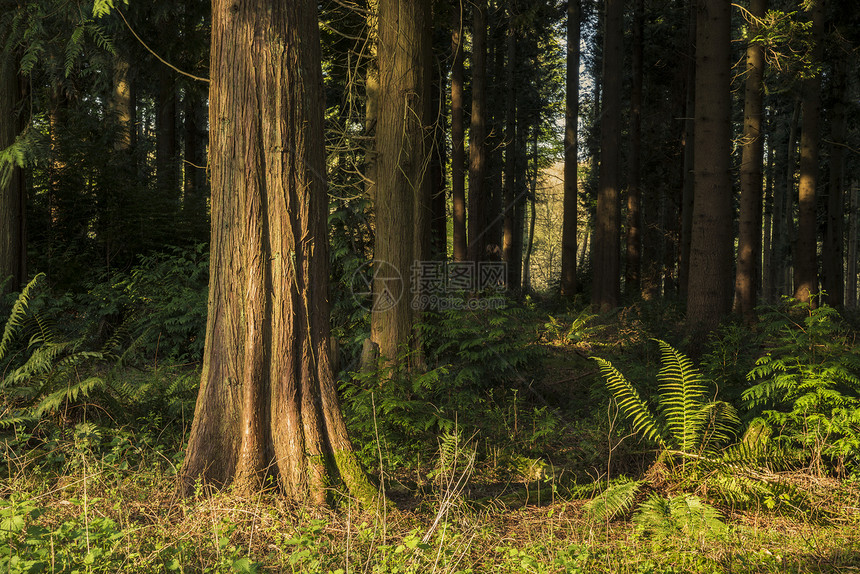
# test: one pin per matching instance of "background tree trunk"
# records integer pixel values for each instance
(688, 176)
(606, 264)
(13, 241)
(511, 247)
(458, 154)
(571, 152)
(749, 227)
(403, 141)
(267, 402)
(805, 257)
(833, 253)
(709, 290)
(633, 263)
(477, 134)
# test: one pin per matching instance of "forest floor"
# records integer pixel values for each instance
(85, 496)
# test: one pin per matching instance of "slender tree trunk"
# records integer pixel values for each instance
(833, 252)
(195, 185)
(688, 176)
(495, 135)
(165, 140)
(606, 265)
(633, 264)
(783, 208)
(13, 240)
(510, 245)
(267, 404)
(851, 265)
(403, 183)
(571, 153)
(749, 226)
(438, 159)
(806, 258)
(709, 289)
(767, 232)
(527, 274)
(478, 133)
(371, 98)
(458, 154)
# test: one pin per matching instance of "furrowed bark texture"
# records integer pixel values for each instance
(267, 403)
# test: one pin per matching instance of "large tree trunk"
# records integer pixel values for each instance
(13, 242)
(403, 140)
(633, 263)
(833, 252)
(749, 226)
(458, 153)
(606, 264)
(709, 289)
(267, 403)
(477, 134)
(805, 257)
(571, 152)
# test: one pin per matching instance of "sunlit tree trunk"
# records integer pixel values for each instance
(403, 142)
(527, 273)
(478, 134)
(709, 289)
(13, 241)
(767, 231)
(267, 404)
(805, 257)
(606, 263)
(571, 152)
(749, 226)
(458, 153)
(633, 263)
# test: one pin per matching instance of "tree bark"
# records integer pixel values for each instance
(267, 404)
(371, 99)
(458, 154)
(167, 174)
(606, 264)
(851, 266)
(571, 152)
(633, 263)
(404, 139)
(688, 176)
(477, 134)
(13, 241)
(511, 244)
(833, 252)
(709, 290)
(749, 226)
(806, 258)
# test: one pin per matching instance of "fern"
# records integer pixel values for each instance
(17, 315)
(682, 398)
(683, 515)
(628, 399)
(614, 501)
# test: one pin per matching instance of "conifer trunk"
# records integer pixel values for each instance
(458, 152)
(571, 152)
(267, 404)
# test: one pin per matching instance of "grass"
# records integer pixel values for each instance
(95, 515)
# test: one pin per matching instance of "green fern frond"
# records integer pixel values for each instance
(720, 421)
(17, 315)
(682, 396)
(614, 501)
(71, 393)
(628, 399)
(683, 515)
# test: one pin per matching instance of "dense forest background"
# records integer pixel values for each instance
(521, 204)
